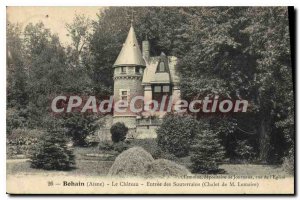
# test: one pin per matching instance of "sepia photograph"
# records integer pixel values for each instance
(150, 100)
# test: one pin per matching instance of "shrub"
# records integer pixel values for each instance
(166, 168)
(176, 134)
(207, 152)
(244, 151)
(52, 152)
(131, 162)
(159, 154)
(106, 146)
(149, 144)
(118, 132)
(120, 146)
(79, 126)
(289, 162)
(138, 162)
(16, 119)
(20, 141)
(23, 136)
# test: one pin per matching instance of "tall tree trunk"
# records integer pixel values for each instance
(264, 139)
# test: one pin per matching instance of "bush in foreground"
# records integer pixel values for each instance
(138, 162)
(149, 144)
(166, 168)
(131, 162)
(52, 152)
(105, 146)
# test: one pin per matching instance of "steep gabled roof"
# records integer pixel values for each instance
(130, 53)
(151, 77)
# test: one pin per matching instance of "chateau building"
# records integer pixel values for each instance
(138, 73)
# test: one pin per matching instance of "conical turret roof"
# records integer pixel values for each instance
(130, 53)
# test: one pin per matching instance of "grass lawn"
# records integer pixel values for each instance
(85, 166)
(99, 166)
(253, 169)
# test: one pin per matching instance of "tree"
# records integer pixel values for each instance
(78, 57)
(207, 152)
(46, 66)
(52, 152)
(274, 78)
(243, 53)
(17, 76)
(17, 79)
(79, 125)
(176, 134)
(79, 31)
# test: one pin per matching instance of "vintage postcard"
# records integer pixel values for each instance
(150, 100)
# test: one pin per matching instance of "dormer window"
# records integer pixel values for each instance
(161, 67)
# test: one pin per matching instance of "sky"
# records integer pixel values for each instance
(54, 18)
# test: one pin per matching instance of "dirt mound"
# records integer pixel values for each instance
(165, 168)
(131, 162)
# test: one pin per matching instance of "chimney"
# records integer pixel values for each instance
(146, 50)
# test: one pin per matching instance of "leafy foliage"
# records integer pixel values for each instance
(118, 132)
(79, 31)
(78, 126)
(21, 140)
(24, 136)
(121, 146)
(207, 152)
(233, 52)
(176, 134)
(244, 151)
(105, 146)
(149, 144)
(15, 118)
(17, 94)
(52, 152)
(288, 164)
